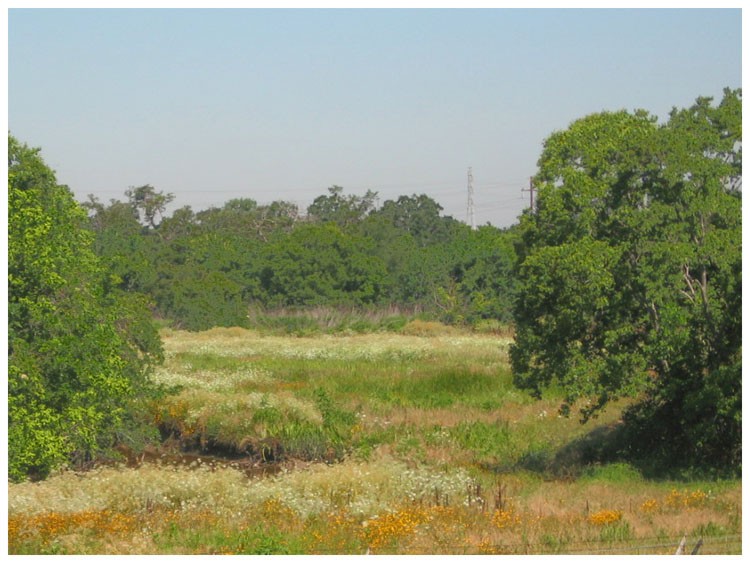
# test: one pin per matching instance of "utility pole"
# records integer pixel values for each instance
(531, 192)
(470, 203)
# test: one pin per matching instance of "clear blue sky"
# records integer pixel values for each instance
(281, 104)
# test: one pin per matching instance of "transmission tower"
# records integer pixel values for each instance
(470, 203)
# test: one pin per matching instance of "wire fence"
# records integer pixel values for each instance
(659, 545)
(724, 545)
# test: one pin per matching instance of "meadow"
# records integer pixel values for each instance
(408, 442)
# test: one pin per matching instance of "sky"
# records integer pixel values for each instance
(212, 105)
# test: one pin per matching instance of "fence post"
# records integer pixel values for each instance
(681, 547)
(697, 547)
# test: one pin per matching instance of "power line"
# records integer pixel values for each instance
(207, 198)
(438, 187)
(470, 203)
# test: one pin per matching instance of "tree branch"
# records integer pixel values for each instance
(688, 280)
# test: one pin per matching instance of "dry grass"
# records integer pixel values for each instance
(382, 505)
(429, 328)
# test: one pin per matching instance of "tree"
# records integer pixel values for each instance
(420, 217)
(124, 252)
(343, 210)
(630, 276)
(181, 224)
(246, 218)
(79, 351)
(207, 279)
(483, 271)
(149, 202)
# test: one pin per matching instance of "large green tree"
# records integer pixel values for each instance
(630, 276)
(79, 348)
(420, 217)
(346, 211)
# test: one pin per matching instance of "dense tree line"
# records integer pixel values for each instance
(207, 268)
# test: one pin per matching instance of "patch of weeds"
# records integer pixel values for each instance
(261, 541)
(484, 439)
(393, 323)
(619, 532)
(419, 327)
(554, 544)
(266, 426)
(337, 423)
(361, 326)
(205, 361)
(493, 326)
(288, 325)
(410, 445)
(266, 415)
(596, 447)
(490, 405)
(436, 435)
(367, 442)
(710, 529)
(446, 388)
(258, 540)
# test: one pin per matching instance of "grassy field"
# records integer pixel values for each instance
(409, 443)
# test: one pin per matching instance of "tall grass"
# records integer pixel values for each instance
(392, 442)
(332, 320)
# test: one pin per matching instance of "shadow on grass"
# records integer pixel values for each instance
(616, 452)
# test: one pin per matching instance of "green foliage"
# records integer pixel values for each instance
(202, 299)
(630, 277)
(319, 264)
(482, 270)
(244, 217)
(340, 209)
(419, 216)
(79, 350)
(148, 203)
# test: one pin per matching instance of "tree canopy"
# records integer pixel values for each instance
(629, 275)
